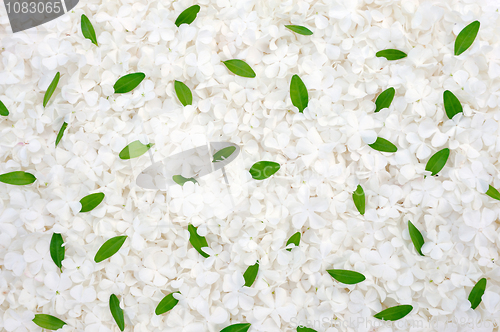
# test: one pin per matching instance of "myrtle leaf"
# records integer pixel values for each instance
(346, 276)
(3, 110)
(240, 68)
(91, 201)
(261, 170)
(477, 293)
(18, 178)
(61, 132)
(48, 322)
(88, 30)
(381, 144)
(51, 89)
(394, 313)
(241, 327)
(128, 82)
(416, 237)
(391, 54)
(250, 274)
(466, 37)
(358, 197)
(299, 29)
(384, 99)
(179, 179)
(109, 248)
(223, 154)
(134, 150)
(452, 105)
(166, 304)
(298, 93)
(188, 15)
(493, 193)
(183, 93)
(57, 250)
(305, 329)
(295, 239)
(116, 311)
(197, 241)
(437, 161)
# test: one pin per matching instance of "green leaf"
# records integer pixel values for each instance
(166, 304)
(188, 15)
(240, 68)
(183, 93)
(261, 170)
(51, 89)
(298, 93)
(91, 201)
(197, 241)
(346, 276)
(394, 313)
(250, 274)
(116, 311)
(3, 110)
(391, 54)
(492, 192)
(477, 293)
(48, 322)
(18, 178)
(128, 82)
(416, 237)
(88, 30)
(437, 161)
(452, 105)
(134, 150)
(381, 144)
(358, 197)
(57, 250)
(223, 154)
(295, 239)
(109, 248)
(301, 328)
(241, 327)
(61, 132)
(179, 179)
(299, 29)
(384, 99)
(466, 37)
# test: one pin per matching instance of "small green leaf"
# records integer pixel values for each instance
(3, 110)
(452, 105)
(298, 93)
(51, 89)
(358, 197)
(381, 144)
(261, 170)
(134, 150)
(128, 82)
(437, 161)
(116, 311)
(295, 239)
(346, 276)
(48, 322)
(223, 154)
(466, 37)
(240, 68)
(188, 15)
(91, 201)
(109, 248)
(492, 192)
(166, 304)
(384, 99)
(477, 293)
(18, 178)
(61, 132)
(179, 179)
(250, 274)
(416, 237)
(241, 327)
(299, 29)
(197, 241)
(391, 54)
(301, 328)
(57, 250)
(394, 313)
(88, 30)
(183, 93)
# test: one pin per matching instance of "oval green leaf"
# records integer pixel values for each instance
(299, 29)
(134, 150)
(88, 30)
(250, 274)
(493, 193)
(116, 311)
(179, 179)
(183, 93)
(240, 68)
(437, 161)
(301, 328)
(381, 144)
(346, 276)
(109, 248)
(261, 170)
(358, 197)
(57, 250)
(48, 322)
(91, 201)
(384, 99)
(298, 93)
(466, 37)
(223, 154)
(241, 327)
(61, 132)
(391, 54)
(197, 241)
(188, 15)
(295, 239)
(416, 237)
(18, 178)
(51, 89)
(394, 313)
(452, 105)
(128, 82)
(166, 304)
(3, 110)
(477, 293)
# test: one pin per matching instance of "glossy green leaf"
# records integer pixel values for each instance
(295, 239)
(91, 201)
(452, 105)
(57, 250)
(179, 179)
(88, 30)
(384, 99)
(391, 54)
(241, 327)
(18, 178)
(48, 322)
(166, 304)
(116, 311)
(183, 93)
(394, 313)
(493, 193)
(250, 274)
(437, 161)
(128, 82)
(346, 276)
(109, 248)
(188, 15)
(299, 29)
(51, 89)
(223, 154)
(240, 68)
(298, 93)
(3, 110)
(134, 150)
(358, 197)
(477, 293)
(61, 132)
(301, 328)
(416, 237)
(381, 144)
(466, 37)
(197, 241)
(261, 170)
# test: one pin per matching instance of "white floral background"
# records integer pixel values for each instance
(322, 153)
